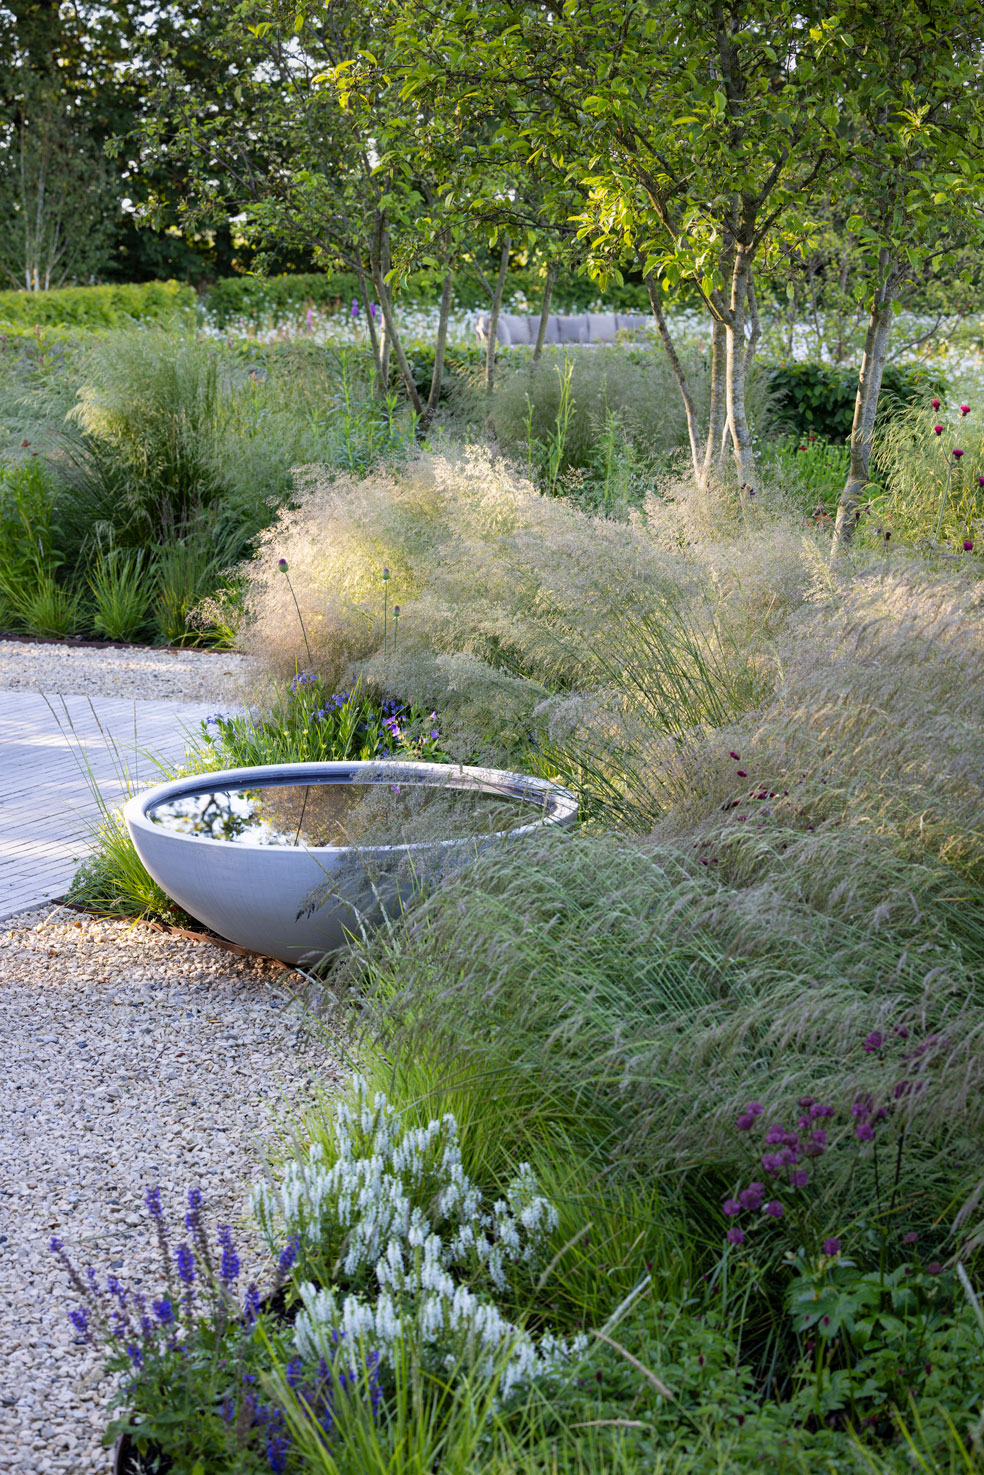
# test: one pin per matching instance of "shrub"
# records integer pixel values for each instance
(820, 397)
(99, 307)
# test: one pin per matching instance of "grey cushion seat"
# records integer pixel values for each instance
(588, 327)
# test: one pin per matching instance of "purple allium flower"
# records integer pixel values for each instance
(755, 1108)
(771, 1162)
(799, 1177)
(820, 1111)
(775, 1208)
(865, 1132)
(873, 1042)
(731, 1207)
(956, 453)
(282, 565)
(752, 1196)
(805, 1102)
(775, 1136)
(968, 545)
(831, 1246)
(735, 1236)
(745, 1122)
(788, 1157)
(229, 1268)
(185, 1262)
(910, 1238)
(819, 1138)
(937, 429)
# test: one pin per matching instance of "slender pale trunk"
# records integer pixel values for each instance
(865, 407)
(741, 438)
(393, 338)
(679, 374)
(439, 348)
(541, 331)
(382, 379)
(494, 310)
(717, 428)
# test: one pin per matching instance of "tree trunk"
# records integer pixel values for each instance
(382, 379)
(541, 331)
(865, 408)
(494, 310)
(439, 347)
(741, 438)
(717, 429)
(679, 374)
(386, 308)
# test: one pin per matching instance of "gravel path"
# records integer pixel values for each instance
(215, 676)
(128, 1058)
(131, 1058)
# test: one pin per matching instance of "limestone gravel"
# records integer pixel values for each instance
(130, 1059)
(125, 671)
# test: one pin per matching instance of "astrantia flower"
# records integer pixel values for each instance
(831, 1246)
(735, 1236)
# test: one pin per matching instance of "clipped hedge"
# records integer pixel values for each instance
(283, 297)
(820, 397)
(98, 307)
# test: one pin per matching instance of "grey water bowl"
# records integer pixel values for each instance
(203, 841)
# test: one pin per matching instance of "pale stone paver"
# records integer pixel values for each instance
(47, 807)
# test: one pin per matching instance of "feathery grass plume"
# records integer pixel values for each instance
(663, 999)
(481, 563)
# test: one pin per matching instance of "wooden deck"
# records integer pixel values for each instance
(49, 748)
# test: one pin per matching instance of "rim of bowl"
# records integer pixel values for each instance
(562, 804)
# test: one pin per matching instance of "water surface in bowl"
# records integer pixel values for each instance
(323, 814)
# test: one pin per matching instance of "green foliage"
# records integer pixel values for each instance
(113, 306)
(812, 471)
(308, 725)
(819, 398)
(280, 298)
(121, 593)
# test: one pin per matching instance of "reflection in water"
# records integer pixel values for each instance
(344, 814)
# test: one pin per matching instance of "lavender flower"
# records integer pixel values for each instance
(80, 1321)
(164, 1311)
(229, 1267)
(251, 1304)
(185, 1262)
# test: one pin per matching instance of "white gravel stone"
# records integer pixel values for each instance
(129, 1058)
(218, 676)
